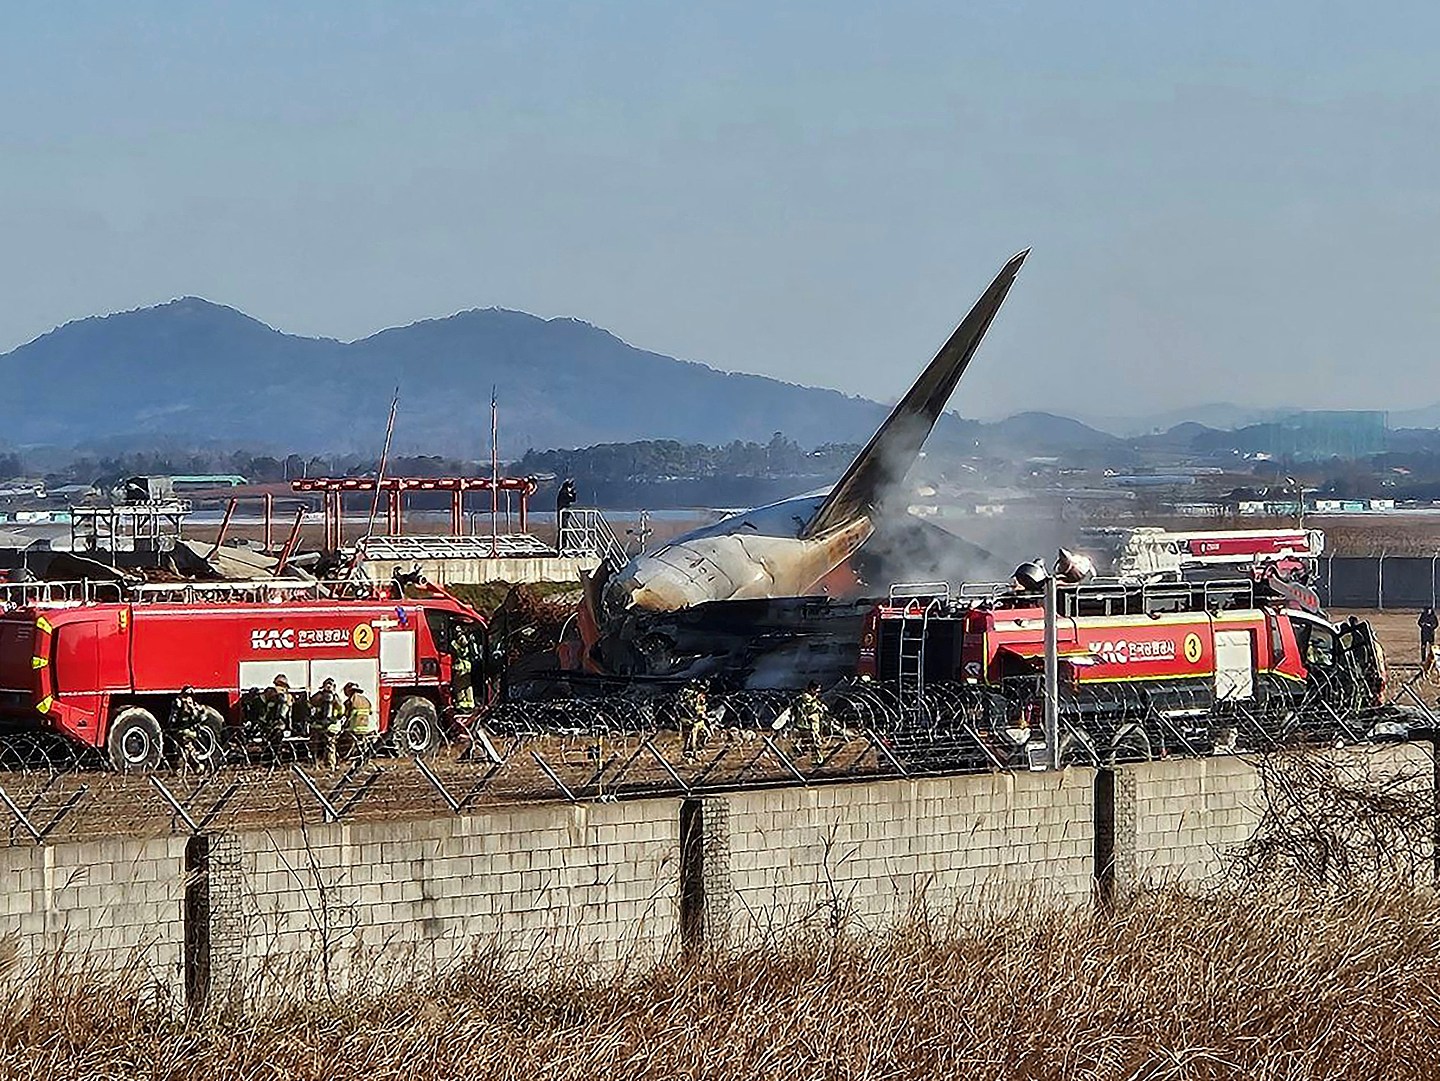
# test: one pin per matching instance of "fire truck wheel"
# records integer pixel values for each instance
(415, 727)
(135, 742)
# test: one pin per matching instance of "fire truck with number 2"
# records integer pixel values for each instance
(105, 673)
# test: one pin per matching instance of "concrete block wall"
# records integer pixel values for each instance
(106, 905)
(315, 910)
(866, 855)
(596, 882)
(1178, 820)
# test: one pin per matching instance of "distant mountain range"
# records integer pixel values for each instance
(1226, 416)
(1218, 415)
(191, 372)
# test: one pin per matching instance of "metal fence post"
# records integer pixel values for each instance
(1380, 582)
(1052, 674)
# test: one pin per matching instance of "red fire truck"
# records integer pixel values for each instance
(105, 672)
(1144, 667)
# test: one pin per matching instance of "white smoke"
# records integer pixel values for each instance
(956, 545)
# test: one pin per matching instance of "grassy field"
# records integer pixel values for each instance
(1169, 986)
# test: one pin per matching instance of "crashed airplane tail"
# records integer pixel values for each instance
(785, 549)
(895, 446)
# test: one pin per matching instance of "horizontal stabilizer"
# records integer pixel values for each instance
(893, 449)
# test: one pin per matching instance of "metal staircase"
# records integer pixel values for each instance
(585, 532)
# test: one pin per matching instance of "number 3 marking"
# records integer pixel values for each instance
(1193, 648)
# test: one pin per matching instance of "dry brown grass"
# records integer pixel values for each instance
(1171, 986)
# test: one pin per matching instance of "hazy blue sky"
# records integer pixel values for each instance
(1226, 200)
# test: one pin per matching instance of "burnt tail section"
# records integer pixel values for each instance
(893, 448)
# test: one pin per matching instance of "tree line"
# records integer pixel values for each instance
(669, 459)
(642, 460)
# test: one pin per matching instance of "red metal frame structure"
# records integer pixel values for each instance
(334, 489)
(267, 501)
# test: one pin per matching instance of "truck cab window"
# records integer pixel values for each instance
(439, 624)
(1318, 648)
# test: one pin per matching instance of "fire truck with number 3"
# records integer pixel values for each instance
(1145, 667)
(105, 673)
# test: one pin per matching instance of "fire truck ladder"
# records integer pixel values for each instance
(253, 590)
(917, 601)
(257, 590)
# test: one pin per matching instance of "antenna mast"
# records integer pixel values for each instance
(494, 471)
(384, 458)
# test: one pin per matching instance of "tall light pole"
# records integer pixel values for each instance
(1052, 672)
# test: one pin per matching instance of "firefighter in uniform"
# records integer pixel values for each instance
(279, 710)
(564, 500)
(360, 722)
(1427, 623)
(462, 662)
(813, 715)
(187, 718)
(327, 718)
(252, 713)
(694, 715)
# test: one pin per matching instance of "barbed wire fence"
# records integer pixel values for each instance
(633, 744)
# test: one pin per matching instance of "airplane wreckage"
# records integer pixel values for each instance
(741, 599)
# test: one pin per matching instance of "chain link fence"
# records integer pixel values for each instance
(1379, 581)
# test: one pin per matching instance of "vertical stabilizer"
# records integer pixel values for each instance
(893, 449)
